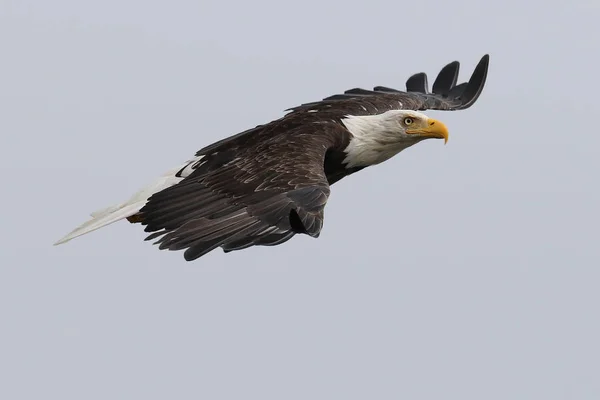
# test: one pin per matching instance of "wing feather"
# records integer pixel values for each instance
(445, 94)
(262, 195)
(446, 79)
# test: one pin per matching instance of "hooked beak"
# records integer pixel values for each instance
(434, 129)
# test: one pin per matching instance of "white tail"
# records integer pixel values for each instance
(108, 215)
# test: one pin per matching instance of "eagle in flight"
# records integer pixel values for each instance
(266, 184)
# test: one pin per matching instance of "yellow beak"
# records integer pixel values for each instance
(434, 129)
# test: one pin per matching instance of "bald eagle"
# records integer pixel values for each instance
(266, 184)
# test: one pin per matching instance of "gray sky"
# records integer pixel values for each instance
(466, 271)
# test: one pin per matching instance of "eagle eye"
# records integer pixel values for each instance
(408, 121)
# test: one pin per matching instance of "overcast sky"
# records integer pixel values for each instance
(465, 271)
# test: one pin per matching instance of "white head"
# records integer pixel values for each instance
(376, 138)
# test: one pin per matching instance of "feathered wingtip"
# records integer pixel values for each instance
(460, 96)
(465, 94)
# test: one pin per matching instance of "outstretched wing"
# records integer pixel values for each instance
(445, 94)
(249, 195)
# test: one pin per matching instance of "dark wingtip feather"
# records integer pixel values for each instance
(359, 91)
(386, 89)
(417, 83)
(476, 83)
(446, 79)
(457, 91)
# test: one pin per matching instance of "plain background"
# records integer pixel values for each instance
(466, 271)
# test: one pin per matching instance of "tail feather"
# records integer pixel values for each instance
(104, 211)
(129, 208)
(91, 225)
